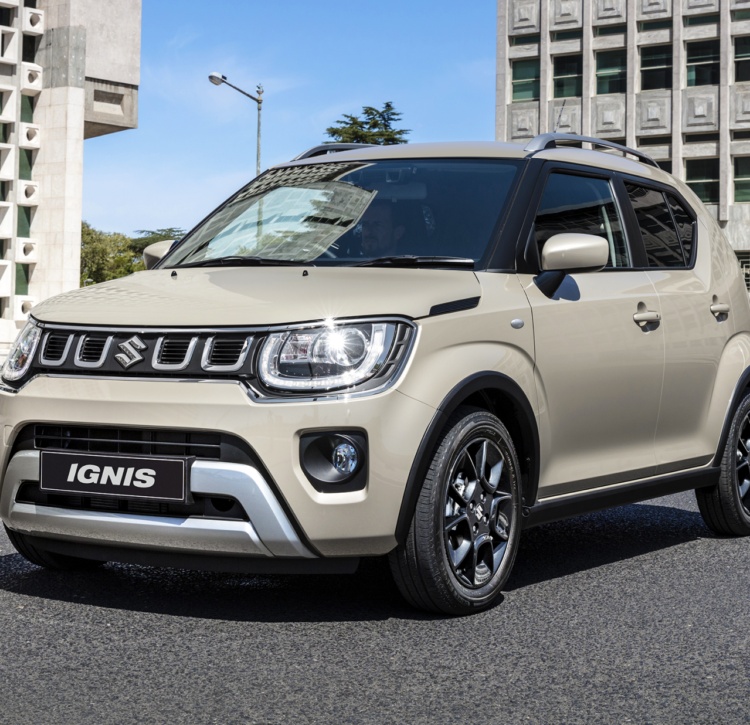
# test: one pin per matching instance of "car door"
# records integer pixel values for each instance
(692, 279)
(599, 347)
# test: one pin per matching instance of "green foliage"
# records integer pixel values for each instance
(109, 255)
(375, 127)
(149, 236)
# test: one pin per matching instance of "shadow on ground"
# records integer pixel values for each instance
(548, 552)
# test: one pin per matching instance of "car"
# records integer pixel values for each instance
(413, 351)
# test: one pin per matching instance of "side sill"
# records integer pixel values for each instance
(199, 562)
(556, 509)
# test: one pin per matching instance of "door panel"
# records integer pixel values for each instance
(600, 376)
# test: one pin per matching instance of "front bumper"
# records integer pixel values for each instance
(288, 518)
(268, 533)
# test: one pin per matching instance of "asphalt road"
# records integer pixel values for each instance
(636, 615)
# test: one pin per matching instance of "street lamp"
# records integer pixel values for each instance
(217, 79)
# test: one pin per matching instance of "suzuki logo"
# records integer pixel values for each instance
(130, 355)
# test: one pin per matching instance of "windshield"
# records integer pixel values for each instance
(355, 213)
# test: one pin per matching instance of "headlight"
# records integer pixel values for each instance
(22, 352)
(334, 356)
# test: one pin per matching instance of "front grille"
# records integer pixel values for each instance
(54, 347)
(225, 352)
(214, 507)
(92, 348)
(129, 441)
(173, 350)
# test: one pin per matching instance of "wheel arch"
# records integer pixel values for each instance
(741, 389)
(499, 395)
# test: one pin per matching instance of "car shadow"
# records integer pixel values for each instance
(547, 552)
(586, 542)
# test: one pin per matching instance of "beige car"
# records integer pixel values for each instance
(414, 351)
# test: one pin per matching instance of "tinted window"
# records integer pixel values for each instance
(663, 248)
(685, 226)
(585, 205)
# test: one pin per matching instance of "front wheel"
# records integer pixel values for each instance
(464, 536)
(726, 507)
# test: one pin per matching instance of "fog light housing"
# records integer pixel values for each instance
(334, 461)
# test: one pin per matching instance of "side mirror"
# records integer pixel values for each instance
(154, 252)
(570, 252)
(574, 253)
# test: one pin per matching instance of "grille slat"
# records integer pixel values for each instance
(173, 351)
(92, 349)
(55, 346)
(128, 441)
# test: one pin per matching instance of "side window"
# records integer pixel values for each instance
(663, 247)
(685, 227)
(585, 205)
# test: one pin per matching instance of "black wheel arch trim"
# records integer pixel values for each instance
(739, 392)
(486, 382)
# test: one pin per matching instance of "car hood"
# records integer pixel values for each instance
(234, 296)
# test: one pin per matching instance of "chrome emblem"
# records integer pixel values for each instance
(130, 355)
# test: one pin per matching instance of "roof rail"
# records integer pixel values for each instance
(549, 141)
(331, 148)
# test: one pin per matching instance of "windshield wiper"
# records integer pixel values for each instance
(412, 260)
(239, 261)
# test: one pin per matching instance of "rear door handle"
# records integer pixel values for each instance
(719, 308)
(646, 317)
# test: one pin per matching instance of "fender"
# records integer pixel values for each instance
(524, 419)
(739, 391)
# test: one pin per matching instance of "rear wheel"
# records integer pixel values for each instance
(30, 548)
(726, 507)
(464, 535)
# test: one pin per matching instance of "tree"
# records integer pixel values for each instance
(106, 255)
(149, 236)
(376, 127)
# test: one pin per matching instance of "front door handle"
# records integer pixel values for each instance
(646, 317)
(719, 308)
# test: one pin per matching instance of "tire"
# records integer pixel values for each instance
(726, 507)
(464, 535)
(28, 547)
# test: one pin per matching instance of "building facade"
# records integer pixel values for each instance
(669, 77)
(69, 70)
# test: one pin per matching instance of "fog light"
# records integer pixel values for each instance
(345, 458)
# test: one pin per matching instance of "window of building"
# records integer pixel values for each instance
(700, 137)
(701, 19)
(665, 166)
(611, 71)
(663, 248)
(568, 76)
(524, 39)
(23, 226)
(567, 34)
(740, 15)
(25, 162)
(647, 25)
(30, 44)
(702, 176)
(740, 135)
(742, 58)
(23, 273)
(742, 178)
(6, 17)
(27, 109)
(610, 29)
(581, 204)
(703, 65)
(526, 80)
(654, 140)
(656, 67)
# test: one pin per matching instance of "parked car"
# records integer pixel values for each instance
(414, 351)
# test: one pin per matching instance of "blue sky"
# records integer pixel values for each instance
(195, 142)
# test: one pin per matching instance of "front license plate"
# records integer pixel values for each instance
(156, 479)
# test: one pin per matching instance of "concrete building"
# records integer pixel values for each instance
(69, 70)
(669, 77)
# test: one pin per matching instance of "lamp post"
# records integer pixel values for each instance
(217, 79)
